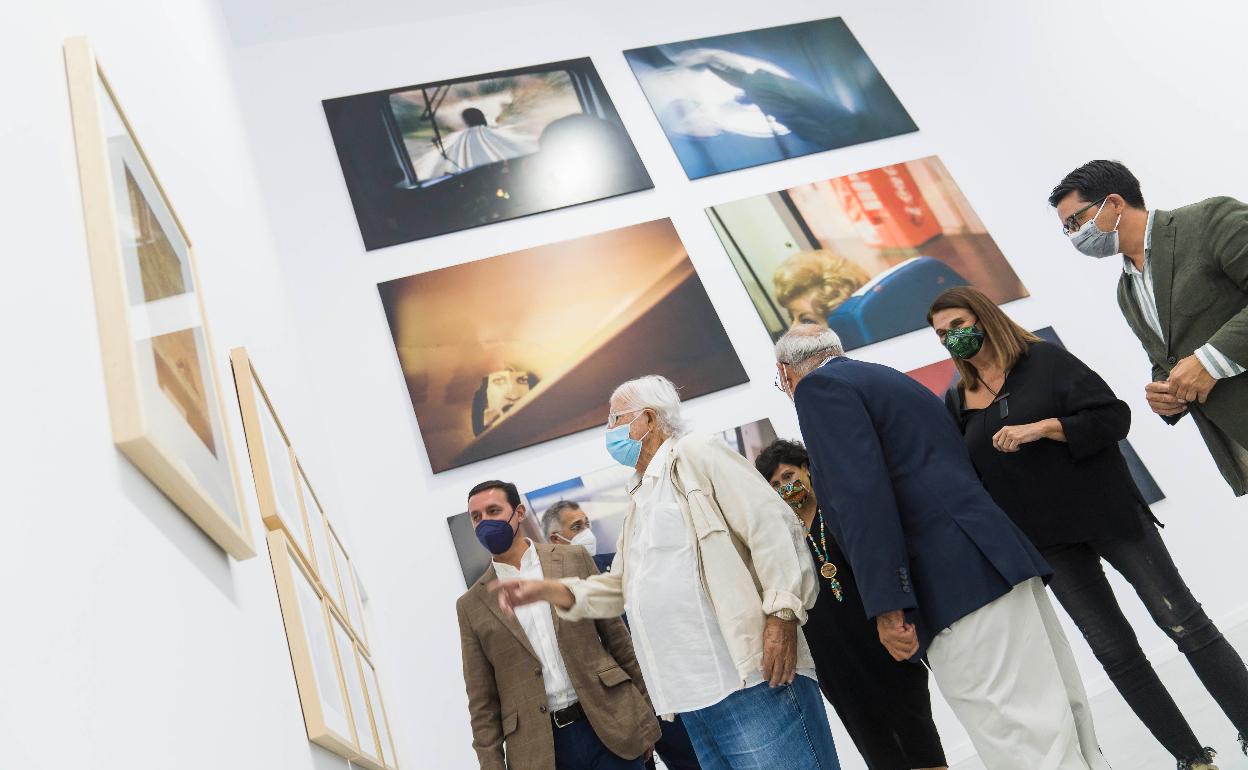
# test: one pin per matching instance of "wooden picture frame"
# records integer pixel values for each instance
(377, 709)
(319, 676)
(164, 394)
(353, 683)
(320, 558)
(274, 467)
(349, 598)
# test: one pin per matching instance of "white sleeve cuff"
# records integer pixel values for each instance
(1218, 365)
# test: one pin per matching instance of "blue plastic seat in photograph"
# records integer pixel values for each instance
(894, 302)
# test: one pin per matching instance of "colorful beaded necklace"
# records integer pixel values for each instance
(826, 568)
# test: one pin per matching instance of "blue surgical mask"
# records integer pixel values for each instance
(496, 535)
(622, 447)
(1095, 242)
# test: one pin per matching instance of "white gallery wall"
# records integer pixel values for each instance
(133, 642)
(130, 639)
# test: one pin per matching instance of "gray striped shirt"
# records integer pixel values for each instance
(1210, 357)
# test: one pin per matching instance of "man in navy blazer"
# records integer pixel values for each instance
(941, 568)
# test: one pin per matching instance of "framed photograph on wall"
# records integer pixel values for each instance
(377, 708)
(353, 682)
(733, 101)
(160, 374)
(939, 377)
(273, 465)
(865, 253)
(321, 557)
(347, 597)
(439, 157)
(486, 377)
(310, 633)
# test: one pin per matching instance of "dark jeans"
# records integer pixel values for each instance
(1080, 586)
(675, 748)
(577, 748)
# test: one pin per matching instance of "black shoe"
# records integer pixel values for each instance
(1202, 762)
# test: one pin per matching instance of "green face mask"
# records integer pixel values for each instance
(965, 342)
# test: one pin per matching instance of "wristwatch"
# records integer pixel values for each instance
(786, 614)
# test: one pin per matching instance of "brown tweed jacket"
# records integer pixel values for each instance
(511, 727)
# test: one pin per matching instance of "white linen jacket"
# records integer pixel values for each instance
(750, 547)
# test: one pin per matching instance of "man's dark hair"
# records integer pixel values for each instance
(509, 489)
(1096, 179)
(780, 452)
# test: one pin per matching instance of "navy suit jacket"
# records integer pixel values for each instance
(896, 485)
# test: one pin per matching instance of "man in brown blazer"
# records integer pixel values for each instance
(545, 693)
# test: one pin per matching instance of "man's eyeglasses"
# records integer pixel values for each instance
(613, 419)
(1072, 222)
(780, 383)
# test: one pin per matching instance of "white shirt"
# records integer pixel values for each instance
(1217, 364)
(539, 627)
(680, 648)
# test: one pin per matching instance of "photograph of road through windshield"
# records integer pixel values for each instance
(734, 101)
(440, 157)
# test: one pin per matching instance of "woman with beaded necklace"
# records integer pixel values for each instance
(884, 704)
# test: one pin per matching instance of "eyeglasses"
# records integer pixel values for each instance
(1072, 222)
(613, 419)
(779, 382)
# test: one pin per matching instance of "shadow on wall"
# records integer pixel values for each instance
(177, 527)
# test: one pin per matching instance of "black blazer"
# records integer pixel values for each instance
(1058, 493)
(902, 500)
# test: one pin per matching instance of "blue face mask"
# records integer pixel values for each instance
(622, 447)
(496, 535)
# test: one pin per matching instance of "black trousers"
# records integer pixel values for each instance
(1081, 588)
(577, 747)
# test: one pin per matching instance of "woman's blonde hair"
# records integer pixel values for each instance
(833, 277)
(1009, 340)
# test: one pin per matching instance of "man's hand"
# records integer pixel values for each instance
(1190, 381)
(517, 593)
(1162, 401)
(779, 651)
(898, 637)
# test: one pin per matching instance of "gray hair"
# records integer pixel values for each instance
(552, 519)
(802, 343)
(653, 392)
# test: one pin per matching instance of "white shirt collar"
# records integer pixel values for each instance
(1128, 266)
(657, 464)
(528, 560)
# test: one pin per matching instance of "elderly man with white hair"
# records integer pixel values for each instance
(712, 569)
(940, 567)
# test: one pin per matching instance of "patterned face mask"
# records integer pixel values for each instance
(964, 343)
(794, 493)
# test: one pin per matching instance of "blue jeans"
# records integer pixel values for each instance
(577, 748)
(765, 728)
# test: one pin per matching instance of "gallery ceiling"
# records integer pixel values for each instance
(254, 22)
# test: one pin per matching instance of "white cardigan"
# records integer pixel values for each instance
(750, 546)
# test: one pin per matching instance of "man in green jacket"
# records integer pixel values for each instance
(1184, 292)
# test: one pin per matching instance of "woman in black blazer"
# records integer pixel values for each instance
(1043, 431)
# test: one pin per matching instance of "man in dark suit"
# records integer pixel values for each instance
(566, 522)
(1184, 292)
(941, 569)
(545, 693)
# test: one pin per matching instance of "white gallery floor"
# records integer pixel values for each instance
(1128, 746)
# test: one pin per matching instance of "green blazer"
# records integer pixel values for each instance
(1199, 258)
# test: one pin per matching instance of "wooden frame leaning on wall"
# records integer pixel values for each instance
(339, 689)
(164, 395)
